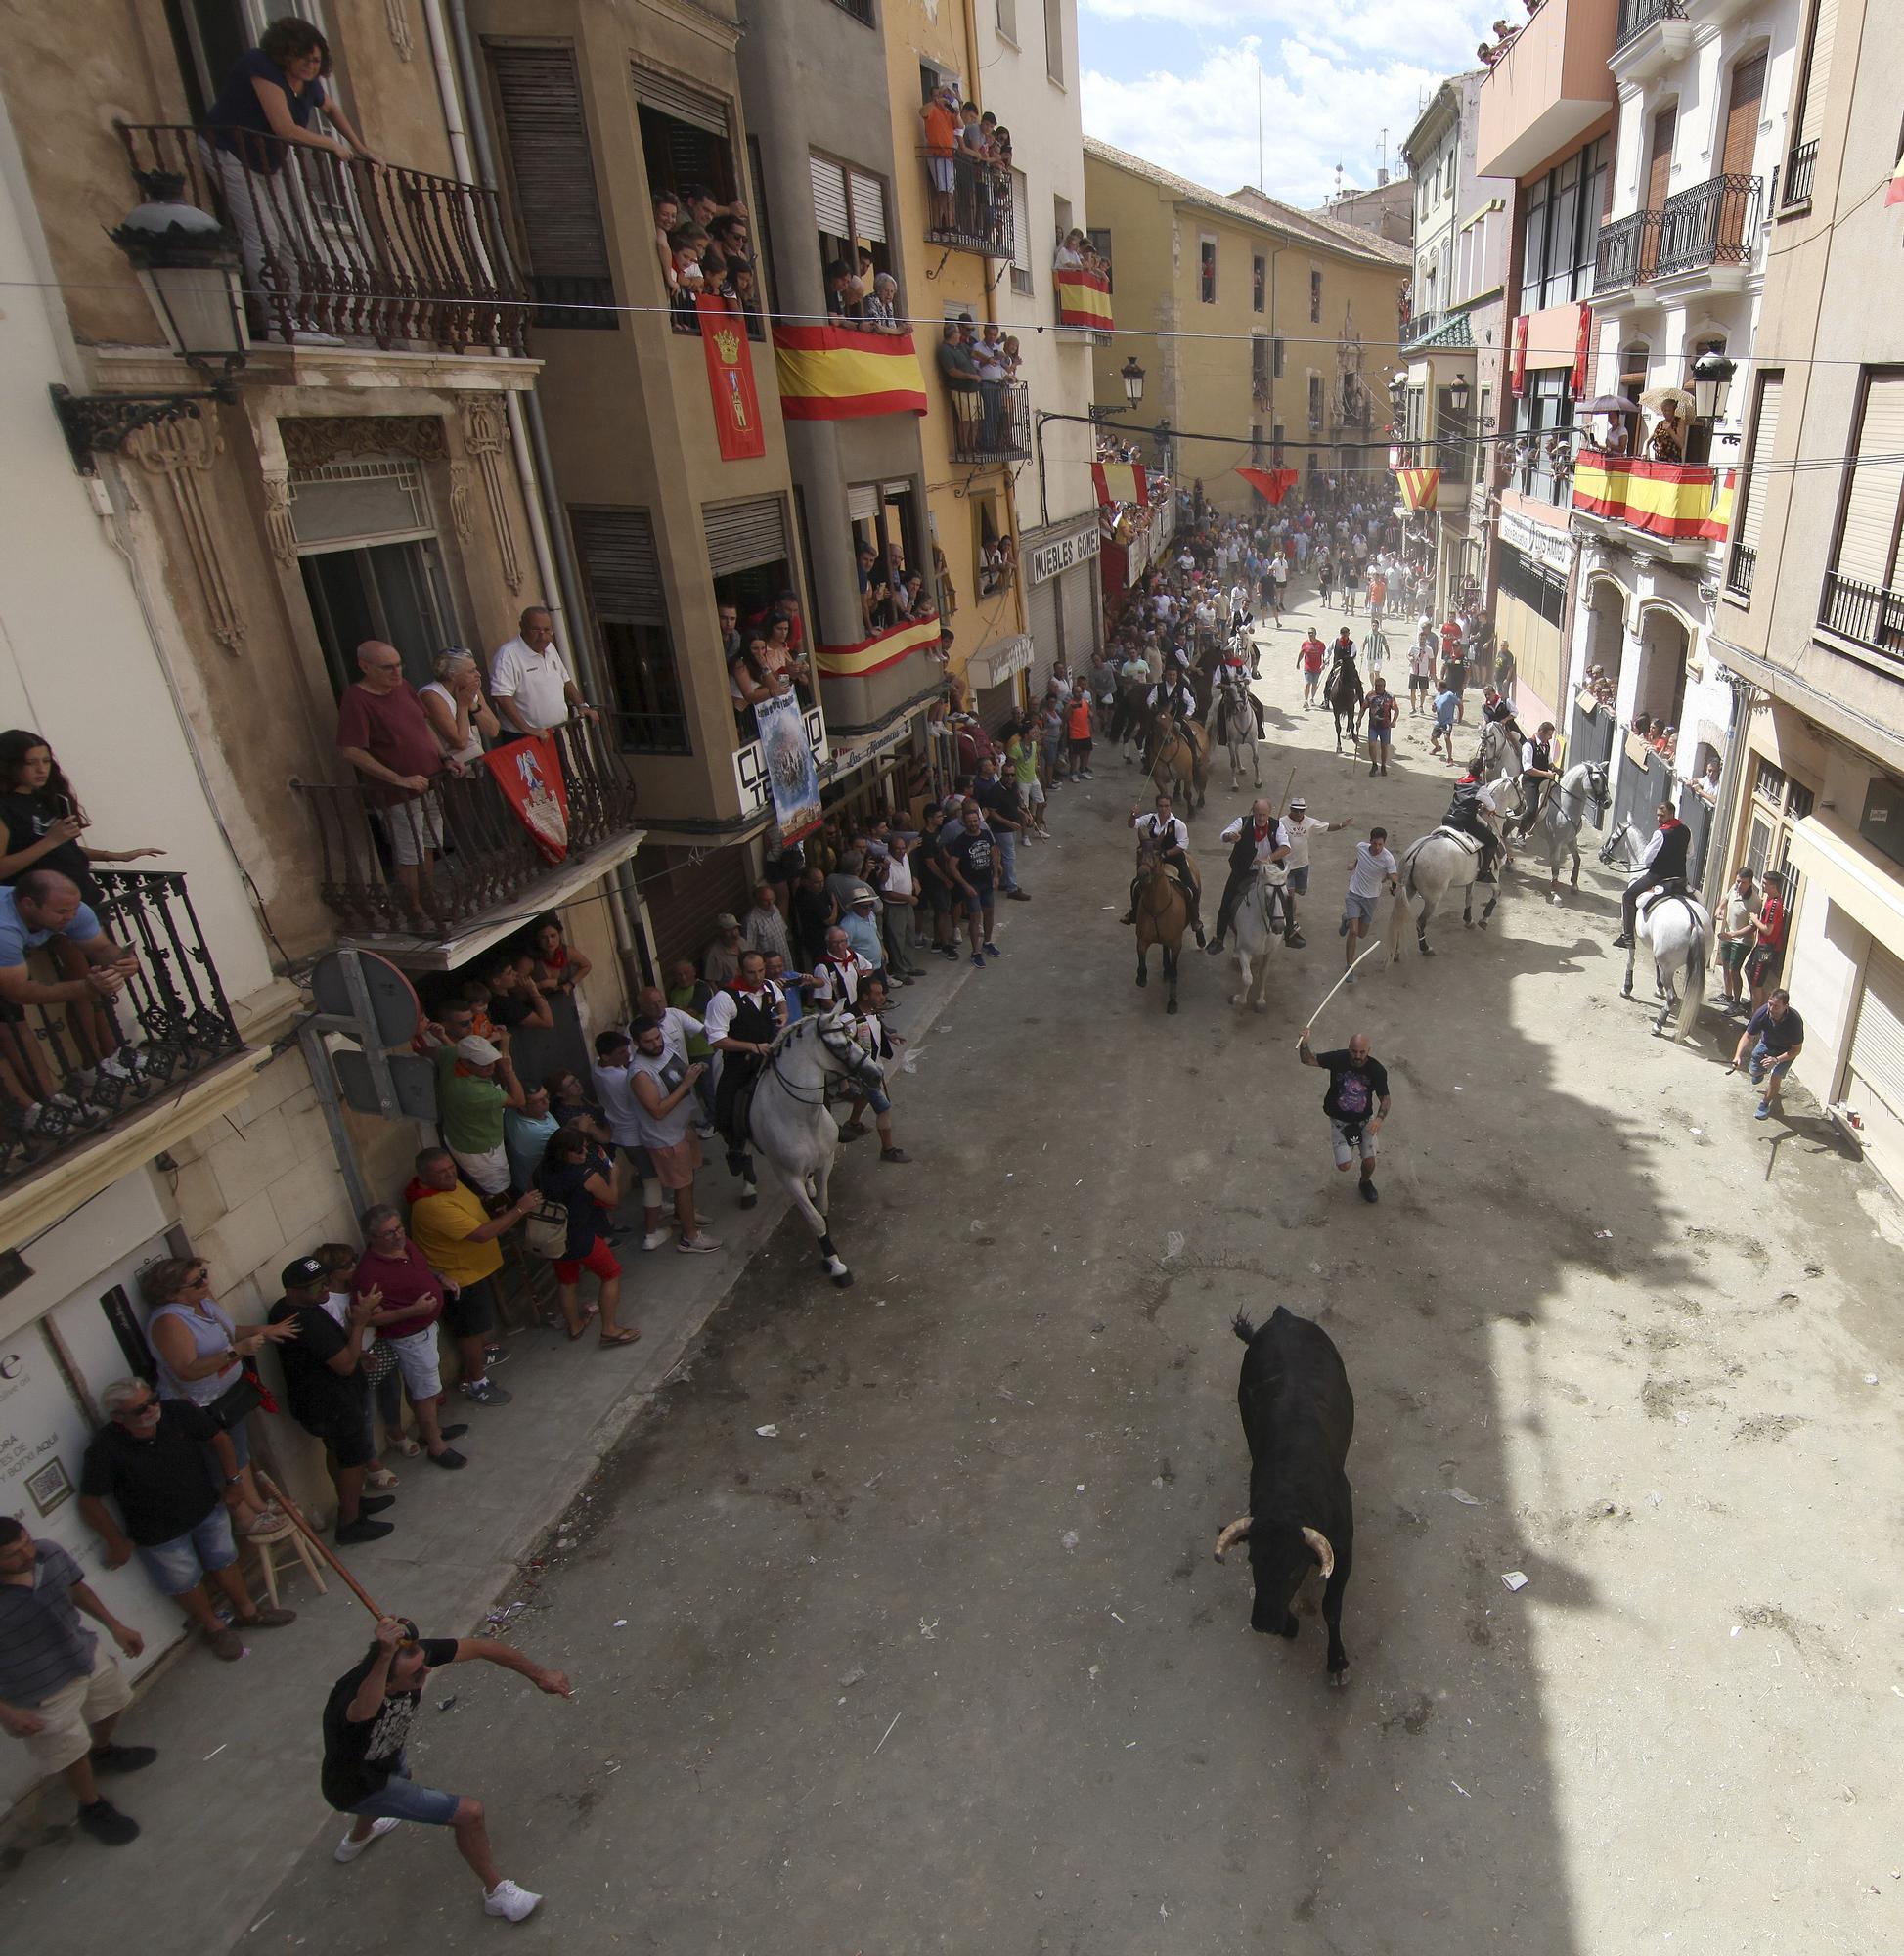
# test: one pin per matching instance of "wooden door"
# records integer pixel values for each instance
(1659, 173)
(1737, 191)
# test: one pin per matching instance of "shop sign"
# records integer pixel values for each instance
(1044, 561)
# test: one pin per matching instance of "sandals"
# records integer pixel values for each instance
(594, 1310)
(611, 1337)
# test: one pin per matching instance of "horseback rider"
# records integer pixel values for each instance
(1342, 653)
(1468, 811)
(1537, 773)
(1174, 695)
(1663, 863)
(1235, 672)
(1166, 831)
(1254, 839)
(743, 1020)
(1497, 710)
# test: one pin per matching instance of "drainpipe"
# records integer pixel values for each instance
(453, 57)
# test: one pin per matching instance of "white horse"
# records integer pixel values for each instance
(1441, 860)
(1233, 725)
(1500, 754)
(789, 1122)
(1678, 931)
(1624, 849)
(1261, 918)
(1558, 832)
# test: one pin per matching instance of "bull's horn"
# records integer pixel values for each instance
(1233, 1533)
(1320, 1549)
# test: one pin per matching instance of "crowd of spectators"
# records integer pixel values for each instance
(979, 365)
(705, 247)
(968, 170)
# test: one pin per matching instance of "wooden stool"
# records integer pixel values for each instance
(268, 1547)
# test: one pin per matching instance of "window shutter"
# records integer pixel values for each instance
(869, 209)
(550, 167)
(740, 535)
(1021, 218)
(1866, 548)
(682, 103)
(863, 503)
(830, 198)
(1765, 434)
(620, 565)
(1818, 72)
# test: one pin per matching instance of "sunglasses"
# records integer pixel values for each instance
(137, 1411)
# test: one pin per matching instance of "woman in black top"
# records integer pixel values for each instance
(43, 819)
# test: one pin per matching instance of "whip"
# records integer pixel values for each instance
(1338, 984)
(322, 1547)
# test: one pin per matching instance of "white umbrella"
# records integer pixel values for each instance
(1661, 398)
(1608, 404)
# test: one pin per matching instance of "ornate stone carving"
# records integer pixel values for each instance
(396, 14)
(485, 435)
(312, 440)
(180, 454)
(459, 500)
(278, 525)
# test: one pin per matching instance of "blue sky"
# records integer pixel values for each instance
(1176, 81)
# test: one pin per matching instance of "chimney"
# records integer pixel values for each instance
(1382, 176)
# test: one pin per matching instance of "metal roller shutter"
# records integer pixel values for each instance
(1818, 72)
(1765, 433)
(863, 503)
(830, 198)
(1878, 1042)
(1868, 546)
(620, 565)
(1047, 633)
(740, 535)
(869, 209)
(684, 897)
(539, 97)
(1076, 590)
(679, 99)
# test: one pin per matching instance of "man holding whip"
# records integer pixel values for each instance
(1357, 1102)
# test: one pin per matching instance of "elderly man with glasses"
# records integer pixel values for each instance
(151, 1460)
(412, 1303)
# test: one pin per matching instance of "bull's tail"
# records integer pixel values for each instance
(1241, 1327)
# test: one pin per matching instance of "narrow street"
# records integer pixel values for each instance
(943, 1662)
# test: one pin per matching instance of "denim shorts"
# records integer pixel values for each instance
(875, 1098)
(1299, 879)
(1762, 1063)
(400, 1797)
(178, 1565)
(1346, 1145)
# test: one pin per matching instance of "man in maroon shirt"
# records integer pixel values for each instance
(384, 734)
(406, 1320)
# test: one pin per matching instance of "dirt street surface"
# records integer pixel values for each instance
(943, 1662)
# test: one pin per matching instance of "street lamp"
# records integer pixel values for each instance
(1132, 377)
(1712, 375)
(1458, 391)
(189, 267)
(1398, 393)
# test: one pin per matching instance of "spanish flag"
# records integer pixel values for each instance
(1119, 481)
(832, 373)
(1660, 499)
(882, 649)
(1418, 487)
(1084, 299)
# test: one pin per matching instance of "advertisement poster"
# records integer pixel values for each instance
(788, 758)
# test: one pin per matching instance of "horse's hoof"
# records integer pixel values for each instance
(1236, 998)
(1426, 951)
(1142, 979)
(1659, 1032)
(1337, 1678)
(1467, 923)
(1260, 1005)
(1482, 924)
(1626, 991)
(842, 1279)
(1171, 1006)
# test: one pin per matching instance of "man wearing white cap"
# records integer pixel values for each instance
(474, 1084)
(1299, 825)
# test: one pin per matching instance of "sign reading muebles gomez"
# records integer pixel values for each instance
(1048, 559)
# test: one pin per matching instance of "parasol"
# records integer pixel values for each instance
(1661, 398)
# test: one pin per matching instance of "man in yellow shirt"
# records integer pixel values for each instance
(457, 1236)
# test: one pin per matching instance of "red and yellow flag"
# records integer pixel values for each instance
(883, 648)
(1275, 483)
(1084, 299)
(1418, 487)
(833, 374)
(730, 378)
(1119, 483)
(1667, 500)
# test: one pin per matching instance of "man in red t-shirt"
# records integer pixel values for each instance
(410, 1303)
(1309, 656)
(1766, 957)
(384, 734)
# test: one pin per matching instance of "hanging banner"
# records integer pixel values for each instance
(730, 378)
(787, 760)
(1520, 380)
(1582, 351)
(832, 373)
(1084, 299)
(1670, 499)
(883, 648)
(529, 773)
(1271, 483)
(1119, 483)
(1418, 487)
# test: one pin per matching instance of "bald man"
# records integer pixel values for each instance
(386, 734)
(1357, 1102)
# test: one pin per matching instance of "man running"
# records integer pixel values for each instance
(1357, 1102)
(1172, 841)
(366, 1773)
(1374, 867)
(1441, 736)
(1664, 862)
(1469, 808)
(1254, 839)
(1537, 773)
(1380, 708)
(1774, 1037)
(1309, 657)
(1298, 826)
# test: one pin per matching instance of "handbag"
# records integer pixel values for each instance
(237, 1402)
(380, 1361)
(544, 1231)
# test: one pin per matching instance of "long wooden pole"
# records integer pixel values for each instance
(322, 1547)
(1309, 1023)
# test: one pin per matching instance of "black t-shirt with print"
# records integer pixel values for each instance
(1356, 1088)
(359, 1757)
(973, 856)
(322, 1401)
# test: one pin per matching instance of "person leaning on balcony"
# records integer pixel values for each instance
(667, 215)
(530, 681)
(994, 372)
(1668, 443)
(460, 717)
(271, 102)
(880, 309)
(939, 121)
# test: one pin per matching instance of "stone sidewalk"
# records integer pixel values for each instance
(239, 1743)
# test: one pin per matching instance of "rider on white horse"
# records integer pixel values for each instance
(1664, 862)
(743, 1019)
(1254, 839)
(1468, 811)
(1234, 672)
(1538, 773)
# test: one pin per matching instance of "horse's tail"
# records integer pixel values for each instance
(1241, 1325)
(1691, 976)
(1400, 917)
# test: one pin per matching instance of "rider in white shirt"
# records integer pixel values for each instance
(1166, 830)
(1252, 840)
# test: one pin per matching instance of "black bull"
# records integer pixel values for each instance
(1298, 1416)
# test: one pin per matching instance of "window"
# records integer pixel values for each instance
(1021, 236)
(1560, 220)
(1861, 595)
(621, 572)
(1258, 281)
(1483, 447)
(885, 518)
(1007, 19)
(1060, 217)
(860, 9)
(1315, 298)
(1316, 403)
(1276, 444)
(1808, 113)
(1281, 348)
(687, 149)
(1255, 444)
(551, 174)
(1543, 429)
(1206, 271)
(850, 216)
(1055, 40)
(1259, 371)
(749, 565)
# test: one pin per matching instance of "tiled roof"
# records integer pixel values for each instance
(1269, 213)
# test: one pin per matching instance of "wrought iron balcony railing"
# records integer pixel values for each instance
(1865, 613)
(1800, 166)
(968, 205)
(992, 421)
(427, 864)
(1625, 251)
(1636, 15)
(69, 1071)
(1738, 571)
(347, 248)
(1715, 223)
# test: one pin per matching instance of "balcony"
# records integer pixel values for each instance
(478, 864)
(1684, 510)
(1740, 567)
(1711, 229)
(866, 686)
(1550, 86)
(1800, 166)
(74, 1074)
(992, 421)
(1652, 35)
(1867, 614)
(975, 214)
(361, 253)
(1625, 252)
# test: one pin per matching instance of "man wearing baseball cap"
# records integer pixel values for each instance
(329, 1394)
(1300, 827)
(475, 1083)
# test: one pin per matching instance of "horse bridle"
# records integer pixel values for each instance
(841, 1045)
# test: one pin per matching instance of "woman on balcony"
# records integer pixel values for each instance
(461, 719)
(270, 103)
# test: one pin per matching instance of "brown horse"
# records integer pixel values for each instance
(1163, 915)
(1180, 761)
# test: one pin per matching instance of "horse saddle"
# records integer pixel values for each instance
(1461, 836)
(1674, 886)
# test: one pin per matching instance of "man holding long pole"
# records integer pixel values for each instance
(1357, 1102)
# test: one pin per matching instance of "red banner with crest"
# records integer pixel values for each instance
(730, 378)
(529, 773)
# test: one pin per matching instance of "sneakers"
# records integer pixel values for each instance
(351, 1533)
(895, 1155)
(656, 1239)
(991, 949)
(108, 1825)
(510, 1901)
(1019, 896)
(483, 1393)
(349, 1849)
(495, 1355)
(978, 961)
(699, 1244)
(1762, 1112)
(1370, 1193)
